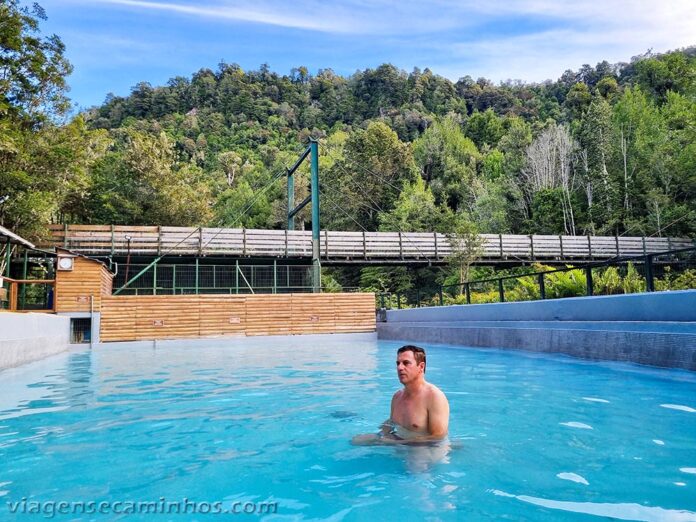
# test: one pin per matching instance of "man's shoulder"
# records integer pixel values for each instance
(436, 393)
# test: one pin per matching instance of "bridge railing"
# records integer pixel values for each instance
(660, 271)
(111, 240)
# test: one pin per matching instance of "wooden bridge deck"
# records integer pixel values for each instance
(344, 247)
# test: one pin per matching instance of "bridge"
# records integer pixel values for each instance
(345, 248)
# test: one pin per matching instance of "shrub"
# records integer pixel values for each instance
(566, 284)
(684, 281)
(633, 282)
(608, 282)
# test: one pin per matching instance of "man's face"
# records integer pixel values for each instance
(407, 368)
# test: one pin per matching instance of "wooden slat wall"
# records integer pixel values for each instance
(130, 318)
(152, 240)
(74, 287)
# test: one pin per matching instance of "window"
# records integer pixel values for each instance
(80, 331)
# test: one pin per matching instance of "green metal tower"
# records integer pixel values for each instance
(312, 151)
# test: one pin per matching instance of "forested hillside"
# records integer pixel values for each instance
(609, 149)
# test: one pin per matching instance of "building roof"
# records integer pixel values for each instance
(14, 238)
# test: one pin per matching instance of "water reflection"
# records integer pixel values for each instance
(52, 384)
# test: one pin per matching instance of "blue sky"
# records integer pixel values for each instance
(114, 44)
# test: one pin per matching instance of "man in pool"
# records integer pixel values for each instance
(419, 411)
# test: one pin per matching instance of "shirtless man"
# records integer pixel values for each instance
(419, 411)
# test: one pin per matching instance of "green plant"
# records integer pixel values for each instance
(330, 284)
(684, 281)
(633, 282)
(608, 282)
(565, 284)
(526, 289)
(483, 297)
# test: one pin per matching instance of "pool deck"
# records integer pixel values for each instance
(655, 329)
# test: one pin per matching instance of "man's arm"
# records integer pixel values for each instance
(438, 415)
(387, 426)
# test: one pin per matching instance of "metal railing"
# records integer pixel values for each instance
(173, 279)
(668, 270)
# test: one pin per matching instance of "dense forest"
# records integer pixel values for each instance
(609, 149)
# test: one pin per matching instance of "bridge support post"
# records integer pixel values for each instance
(649, 281)
(23, 291)
(588, 278)
(291, 201)
(275, 276)
(196, 276)
(313, 152)
(8, 256)
(316, 245)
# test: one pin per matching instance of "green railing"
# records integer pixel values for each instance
(669, 270)
(173, 279)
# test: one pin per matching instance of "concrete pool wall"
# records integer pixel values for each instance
(27, 337)
(657, 329)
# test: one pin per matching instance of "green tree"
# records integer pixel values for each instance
(32, 95)
(140, 182)
(638, 134)
(578, 100)
(448, 160)
(465, 244)
(485, 129)
(368, 179)
(33, 68)
(416, 211)
(596, 145)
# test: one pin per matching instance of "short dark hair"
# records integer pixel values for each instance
(418, 353)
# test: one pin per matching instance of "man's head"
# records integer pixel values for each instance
(410, 363)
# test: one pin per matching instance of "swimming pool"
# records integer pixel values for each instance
(535, 437)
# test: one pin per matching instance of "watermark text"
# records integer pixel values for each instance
(162, 506)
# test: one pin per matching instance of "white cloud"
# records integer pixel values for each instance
(667, 21)
(540, 39)
(271, 15)
(588, 33)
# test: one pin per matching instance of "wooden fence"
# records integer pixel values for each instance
(136, 318)
(117, 240)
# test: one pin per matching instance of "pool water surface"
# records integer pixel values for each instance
(531, 437)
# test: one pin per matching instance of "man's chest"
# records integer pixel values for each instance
(411, 414)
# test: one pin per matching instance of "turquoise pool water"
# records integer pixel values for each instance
(252, 427)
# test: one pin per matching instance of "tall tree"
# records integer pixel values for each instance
(448, 160)
(369, 178)
(33, 68)
(38, 160)
(595, 141)
(550, 166)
